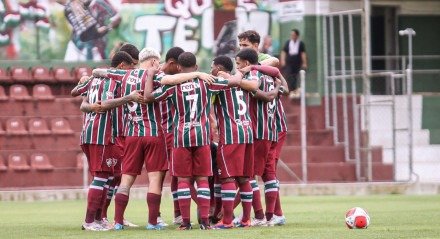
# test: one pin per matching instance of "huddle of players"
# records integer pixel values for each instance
(159, 116)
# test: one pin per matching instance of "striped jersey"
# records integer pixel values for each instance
(140, 119)
(233, 118)
(280, 117)
(97, 127)
(192, 102)
(167, 109)
(263, 113)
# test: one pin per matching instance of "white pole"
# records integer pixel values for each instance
(85, 173)
(344, 88)
(303, 126)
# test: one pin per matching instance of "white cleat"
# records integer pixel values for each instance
(129, 224)
(259, 222)
(177, 220)
(104, 223)
(279, 220)
(161, 222)
(237, 220)
(93, 227)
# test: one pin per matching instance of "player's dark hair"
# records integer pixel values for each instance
(251, 35)
(187, 59)
(174, 53)
(296, 31)
(224, 61)
(121, 56)
(131, 50)
(248, 54)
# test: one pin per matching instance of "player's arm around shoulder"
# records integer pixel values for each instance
(183, 77)
(268, 96)
(82, 87)
(160, 93)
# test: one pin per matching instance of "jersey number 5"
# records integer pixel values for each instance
(242, 107)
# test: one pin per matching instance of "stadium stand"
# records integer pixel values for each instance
(18, 162)
(3, 167)
(15, 126)
(42, 92)
(42, 74)
(41, 162)
(19, 92)
(5, 76)
(63, 75)
(60, 126)
(3, 96)
(82, 71)
(38, 126)
(21, 75)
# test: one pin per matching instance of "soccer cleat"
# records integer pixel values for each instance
(156, 227)
(271, 222)
(118, 227)
(161, 222)
(104, 223)
(244, 224)
(203, 226)
(177, 220)
(259, 222)
(129, 224)
(185, 227)
(279, 220)
(93, 226)
(221, 225)
(237, 220)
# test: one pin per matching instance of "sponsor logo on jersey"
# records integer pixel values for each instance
(132, 80)
(110, 95)
(268, 79)
(137, 118)
(189, 86)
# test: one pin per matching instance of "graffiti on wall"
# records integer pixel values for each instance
(185, 23)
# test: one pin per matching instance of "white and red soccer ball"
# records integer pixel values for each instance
(357, 218)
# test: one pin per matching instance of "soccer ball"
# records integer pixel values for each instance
(357, 218)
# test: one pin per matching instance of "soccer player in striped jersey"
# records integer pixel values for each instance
(262, 108)
(144, 140)
(191, 153)
(97, 140)
(235, 153)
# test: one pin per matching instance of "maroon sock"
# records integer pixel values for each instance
(256, 200)
(246, 195)
(153, 201)
(278, 211)
(203, 198)
(217, 199)
(229, 191)
(94, 196)
(121, 201)
(270, 194)
(184, 197)
(174, 193)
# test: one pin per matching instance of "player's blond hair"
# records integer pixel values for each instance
(148, 53)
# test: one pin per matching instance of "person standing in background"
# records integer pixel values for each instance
(293, 58)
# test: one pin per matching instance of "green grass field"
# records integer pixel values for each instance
(392, 216)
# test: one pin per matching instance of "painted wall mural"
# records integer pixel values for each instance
(77, 30)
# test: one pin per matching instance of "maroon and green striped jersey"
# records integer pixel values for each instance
(140, 119)
(167, 109)
(233, 118)
(97, 127)
(263, 113)
(192, 102)
(118, 115)
(280, 118)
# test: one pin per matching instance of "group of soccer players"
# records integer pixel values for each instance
(140, 112)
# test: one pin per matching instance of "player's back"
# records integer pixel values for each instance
(141, 119)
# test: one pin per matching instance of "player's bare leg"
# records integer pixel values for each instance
(154, 198)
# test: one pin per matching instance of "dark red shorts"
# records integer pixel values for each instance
(169, 139)
(275, 150)
(118, 150)
(235, 160)
(261, 155)
(147, 150)
(191, 161)
(100, 158)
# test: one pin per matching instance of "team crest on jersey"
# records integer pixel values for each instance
(111, 162)
(268, 79)
(189, 86)
(110, 95)
(96, 81)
